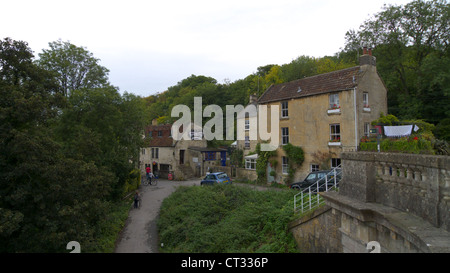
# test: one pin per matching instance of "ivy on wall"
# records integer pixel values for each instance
(295, 156)
(261, 162)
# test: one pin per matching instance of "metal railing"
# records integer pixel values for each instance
(310, 198)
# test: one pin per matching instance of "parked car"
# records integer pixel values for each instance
(313, 177)
(216, 178)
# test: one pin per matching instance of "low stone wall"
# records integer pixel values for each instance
(318, 232)
(398, 201)
(239, 173)
(418, 184)
(246, 174)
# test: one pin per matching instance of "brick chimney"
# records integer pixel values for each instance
(365, 50)
(367, 58)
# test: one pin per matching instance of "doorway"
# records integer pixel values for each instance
(181, 157)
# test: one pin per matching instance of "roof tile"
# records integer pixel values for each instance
(165, 140)
(340, 80)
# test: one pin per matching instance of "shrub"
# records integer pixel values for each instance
(296, 157)
(413, 144)
(385, 120)
(108, 229)
(226, 219)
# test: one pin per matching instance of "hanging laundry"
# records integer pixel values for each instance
(398, 131)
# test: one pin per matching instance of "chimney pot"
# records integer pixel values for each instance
(365, 50)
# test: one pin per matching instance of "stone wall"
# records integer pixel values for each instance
(240, 173)
(418, 184)
(399, 201)
(318, 232)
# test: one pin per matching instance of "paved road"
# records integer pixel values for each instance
(140, 234)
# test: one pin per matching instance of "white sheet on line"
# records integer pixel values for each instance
(398, 131)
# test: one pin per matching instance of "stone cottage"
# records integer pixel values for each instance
(326, 114)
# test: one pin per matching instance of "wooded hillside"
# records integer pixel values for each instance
(410, 42)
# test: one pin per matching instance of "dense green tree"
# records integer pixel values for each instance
(63, 159)
(303, 66)
(412, 44)
(74, 66)
(101, 126)
(46, 198)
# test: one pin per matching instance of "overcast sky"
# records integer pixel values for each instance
(149, 45)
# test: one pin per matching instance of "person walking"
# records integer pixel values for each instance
(148, 170)
(137, 200)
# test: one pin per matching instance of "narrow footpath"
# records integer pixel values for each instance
(140, 234)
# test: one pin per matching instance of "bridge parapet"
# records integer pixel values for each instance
(417, 184)
(399, 201)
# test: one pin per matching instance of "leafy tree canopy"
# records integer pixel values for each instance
(412, 46)
(74, 66)
(62, 159)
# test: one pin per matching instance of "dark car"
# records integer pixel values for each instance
(313, 177)
(216, 178)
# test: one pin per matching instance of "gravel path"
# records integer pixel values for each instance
(140, 234)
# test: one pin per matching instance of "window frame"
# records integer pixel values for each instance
(284, 165)
(335, 162)
(250, 163)
(335, 136)
(366, 99)
(247, 142)
(314, 167)
(333, 99)
(284, 135)
(155, 152)
(285, 109)
(367, 129)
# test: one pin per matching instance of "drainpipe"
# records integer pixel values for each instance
(356, 120)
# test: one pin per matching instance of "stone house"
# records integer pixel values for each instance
(326, 114)
(183, 158)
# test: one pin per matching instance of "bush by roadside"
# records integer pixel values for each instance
(224, 219)
(109, 228)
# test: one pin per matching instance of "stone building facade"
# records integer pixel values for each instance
(326, 114)
(182, 159)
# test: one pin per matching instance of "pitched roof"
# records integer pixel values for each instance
(340, 80)
(165, 140)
